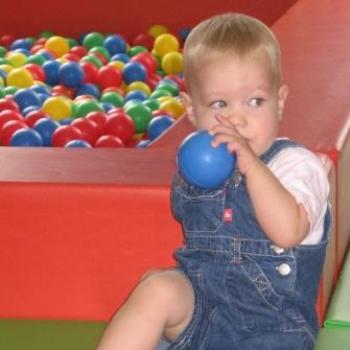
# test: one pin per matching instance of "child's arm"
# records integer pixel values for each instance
(284, 220)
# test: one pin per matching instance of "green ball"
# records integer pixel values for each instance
(93, 39)
(172, 88)
(151, 103)
(74, 110)
(46, 34)
(86, 107)
(160, 93)
(37, 59)
(10, 90)
(113, 98)
(2, 93)
(3, 51)
(72, 42)
(134, 50)
(141, 115)
(102, 50)
(4, 60)
(92, 59)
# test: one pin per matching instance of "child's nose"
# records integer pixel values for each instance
(237, 118)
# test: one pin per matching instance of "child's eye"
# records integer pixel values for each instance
(218, 104)
(256, 102)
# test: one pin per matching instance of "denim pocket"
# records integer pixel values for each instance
(200, 210)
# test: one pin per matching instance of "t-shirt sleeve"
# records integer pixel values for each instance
(303, 174)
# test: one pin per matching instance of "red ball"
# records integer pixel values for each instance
(153, 80)
(72, 57)
(8, 130)
(36, 48)
(6, 40)
(108, 76)
(8, 115)
(143, 39)
(90, 72)
(61, 90)
(36, 71)
(121, 125)
(80, 51)
(88, 128)
(64, 134)
(109, 141)
(8, 103)
(148, 61)
(32, 117)
(100, 118)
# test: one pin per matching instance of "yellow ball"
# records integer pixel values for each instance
(172, 63)
(163, 99)
(117, 64)
(6, 68)
(16, 59)
(2, 82)
(58, 45)
(58, 107)
(20, 78)
(166, 43)
(157, 30)
(139, 85)
(174, 107)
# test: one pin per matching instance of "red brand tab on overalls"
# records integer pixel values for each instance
(227, 215)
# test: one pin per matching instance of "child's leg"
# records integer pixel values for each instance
(162, 304)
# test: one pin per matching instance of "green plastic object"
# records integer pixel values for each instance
(333, 339)
(338, 315)
(53, 335)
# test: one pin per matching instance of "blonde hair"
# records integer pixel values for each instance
(231, 34)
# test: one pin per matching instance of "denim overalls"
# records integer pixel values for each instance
(249, 293)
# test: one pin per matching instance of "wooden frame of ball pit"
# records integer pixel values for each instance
(64, 212)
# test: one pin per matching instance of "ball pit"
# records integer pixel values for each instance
(101, 89)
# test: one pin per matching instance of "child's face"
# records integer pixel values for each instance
(242, 90)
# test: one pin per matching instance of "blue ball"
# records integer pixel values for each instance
(120, 57)
(201, 164)
(143, 144)
(26, 138)
(26, 98)
(45, 127)
(158, 125)
(77, 144)
(20, 44)
(52, 69)
(135, 95)
(71, 74)
(115, 44)
(88, 89)
(134, 71)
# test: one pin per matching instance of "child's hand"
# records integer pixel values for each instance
(226, 132)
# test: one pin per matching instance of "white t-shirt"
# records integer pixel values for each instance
(303, 174)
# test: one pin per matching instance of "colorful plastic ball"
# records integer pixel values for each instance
(99, 118)
(109, 141)
(116, 99)
(169, 85)
(147, 60)
(183, 34)
(77, 144)
(157, 29)
(88, 106)
(134, 71)
(20, 44)
(62, 90)
(201, 164)
(78, 50)
(135, 95)
(172, 63)
(140, 86)
(121, 57)
(32, 117)
(90, 72)
(25, 98)
(158, 125)
(88, 89)
(71, 74)
(58, 45)
(64, 134)
(115, 44)
(174, 107)
(151, 103)
(121, 125)
(143, 39)
(57, 107)
(8, 103)
(46, 127)
(108, 76)
(141, 115)
(51, 69)
(135, 50)
(143, 143)
(29, 109)
(89, 129)
(93, 39)
(26, 137)
(8, 129)
(36, 71)
(165, 43)
(20, 78)
(16, 59)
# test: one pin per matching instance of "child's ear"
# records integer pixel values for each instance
(187, 101)
(282, 97)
